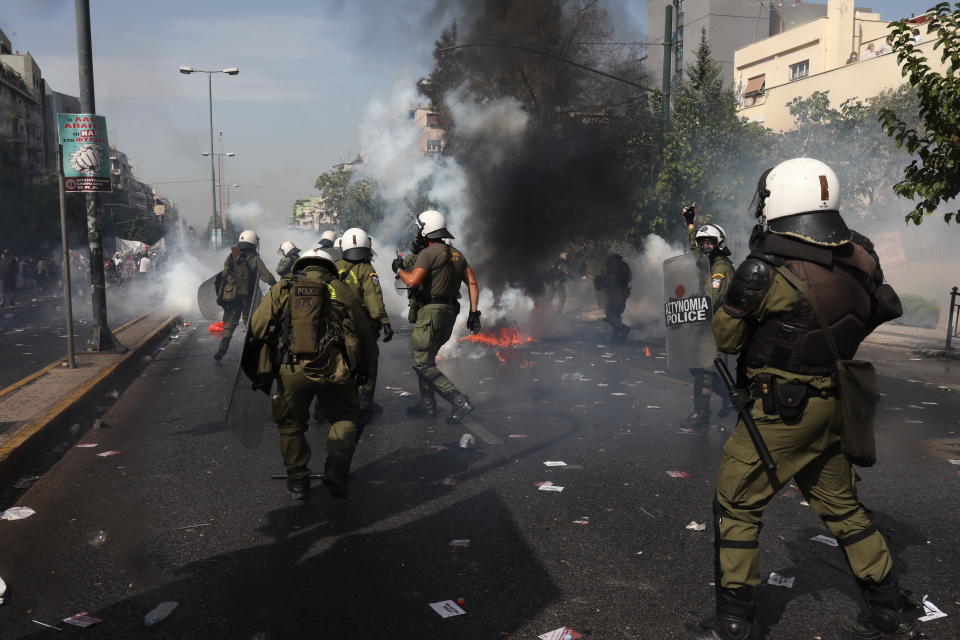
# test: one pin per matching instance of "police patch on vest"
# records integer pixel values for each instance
(306, 296)
(716, 280)
(375, 280)
(687, 310)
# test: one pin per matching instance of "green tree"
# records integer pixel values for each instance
(931, 178)
(351, 201)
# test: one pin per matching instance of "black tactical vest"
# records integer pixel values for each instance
(842, 279)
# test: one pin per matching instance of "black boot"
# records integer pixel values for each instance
(734, 619)
(701, 412)
(224, 345)
(299, 488)
(461, 407)
(427, 406)
(889, 615)
(336, 475)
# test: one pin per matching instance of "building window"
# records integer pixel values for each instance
(433, 119)
(754, 90)
(412, 114)
(433, 145)
(800, 70)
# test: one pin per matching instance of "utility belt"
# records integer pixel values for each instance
(443, 300)
(786, 399)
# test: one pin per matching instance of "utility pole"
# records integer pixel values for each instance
(667, 52)
(223, 212)
(101, 339)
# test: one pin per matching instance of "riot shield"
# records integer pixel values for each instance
(207, 298)
(249, 410)
(688, 312)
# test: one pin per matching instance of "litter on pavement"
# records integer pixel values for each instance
(618, 393)
(548, 486)
(931, 611)
(678, 474)
(25, 482)
(517, 436)
(447, 608)
(107, 454)
(467, 441)
(778, 580)
(827, 540)
(693, 526)
(955, 462)
(563, 633)
(160, 613)
(460, 544)
(44, 624)
(450, 481)
(580, 522)
(86, 445)
(555, 463)
(113, 395)
(83, 620)
(16, 513)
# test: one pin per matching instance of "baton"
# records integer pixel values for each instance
(740, 403)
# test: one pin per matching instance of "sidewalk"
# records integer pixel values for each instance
(37, 408)
(912, 354)
(912, 338)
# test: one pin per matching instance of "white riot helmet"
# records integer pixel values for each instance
(314, 256)
(250, 237)
(715, 232)
(327, 239)
(286, 248)
(801, 198)
(433, 225)
(356, 245)
(338, 243)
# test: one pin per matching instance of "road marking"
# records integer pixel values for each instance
(482, 433)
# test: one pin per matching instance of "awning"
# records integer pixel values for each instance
(754, 85)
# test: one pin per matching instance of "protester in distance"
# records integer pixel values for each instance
(325, 349)
(613, 290)
(556, 280)
(808, 294)
(43, 274)
(239, 280)
(9, 272)
(434, 283)
(356, 270)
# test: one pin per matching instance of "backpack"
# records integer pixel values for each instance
(317, 331)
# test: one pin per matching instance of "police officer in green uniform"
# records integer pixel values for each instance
(790, 372)
(613, 283)
(241, 270)
(709, 240)
(435, 282)
(556, 280)
(325, 349)
(357, 272)
(289, 252)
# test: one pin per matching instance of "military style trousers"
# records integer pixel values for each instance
(239, 308)
(434, 326)
(340, 404)
(808, 451)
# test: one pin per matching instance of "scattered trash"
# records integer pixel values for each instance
(113, 395)
(827, 540)
(693, 526)
(646, 352)
(602, 384)
(555, 463)
(580, 522)
(107, 454)
(100, 423)
(98, 538)
(678, 474)
(460, 544)
(663, 372)
(571, 376)
(404, 394)
(548, 486)
(160, 613)
(932, 404)
(778, 580)
(25, 482)
(647, 512)
(686, 430)
(563, 633)
(467, 441)
(44, 624)
(447, 608)
(16, 513)
(618, 393)
(83, 620)
(450, 481)
(517, 436)
(931, 611)
(653, 406)
(87, 445)
(955, 462)
(438, 447)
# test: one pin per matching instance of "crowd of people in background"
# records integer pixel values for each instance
(887, 47)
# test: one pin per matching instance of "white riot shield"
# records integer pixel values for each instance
(687, 312)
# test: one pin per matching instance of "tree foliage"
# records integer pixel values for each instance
(931, 178)
(352, 202)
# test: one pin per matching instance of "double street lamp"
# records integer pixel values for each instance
(230, 71)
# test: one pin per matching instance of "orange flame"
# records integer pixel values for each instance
(216, 327)
(503, 337)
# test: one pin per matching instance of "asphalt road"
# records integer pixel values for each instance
(186, 514)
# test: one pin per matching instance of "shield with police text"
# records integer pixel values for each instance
(687, 312)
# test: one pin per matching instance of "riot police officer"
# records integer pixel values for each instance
(289, 253)
(241, 271)
(325, 349)
(327, 239)
(807, 264)
(709, 240)
(435, 282)
(613, 286)
(357, 272)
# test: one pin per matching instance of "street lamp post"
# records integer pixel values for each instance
(220, 157)
(230, 71)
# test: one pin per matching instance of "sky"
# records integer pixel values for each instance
(308, 71)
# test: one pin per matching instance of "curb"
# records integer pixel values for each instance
(54, 423)
(938, 354)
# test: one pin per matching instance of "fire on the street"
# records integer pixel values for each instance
(503, 337)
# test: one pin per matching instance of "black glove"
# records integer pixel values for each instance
(689, 213)
(360, 379)
(473, 322)
(387, 332)
(397, 264)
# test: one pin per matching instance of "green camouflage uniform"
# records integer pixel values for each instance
(363, 281)
(253, 267)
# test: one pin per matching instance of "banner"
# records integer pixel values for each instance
(86, 152)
